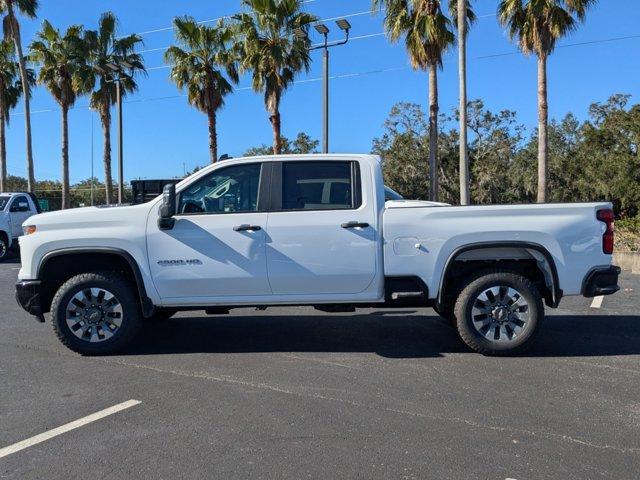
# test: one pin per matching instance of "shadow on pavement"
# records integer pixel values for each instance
(391, 335)
(12, 259)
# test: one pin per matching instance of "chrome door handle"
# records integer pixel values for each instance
(355, 225)
(247, 228)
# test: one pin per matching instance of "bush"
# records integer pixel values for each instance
(628, 235)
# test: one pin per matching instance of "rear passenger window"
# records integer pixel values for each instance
(320, 186)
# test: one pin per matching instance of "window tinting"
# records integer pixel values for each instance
(20, 204)
(317, 186)
(228, 190)
(3, 201)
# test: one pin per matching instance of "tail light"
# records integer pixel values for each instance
(606, 216)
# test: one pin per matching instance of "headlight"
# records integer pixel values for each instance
(29, 229)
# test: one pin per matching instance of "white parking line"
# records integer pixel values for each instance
(29, 442)
(597, 302)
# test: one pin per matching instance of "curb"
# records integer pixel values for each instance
(627, 261)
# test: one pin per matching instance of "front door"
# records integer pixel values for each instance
(217, 246)
(19, 212)
(322, 235)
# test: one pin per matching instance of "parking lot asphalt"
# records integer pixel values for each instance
(296, 393)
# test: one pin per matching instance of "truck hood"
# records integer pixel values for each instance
(85, 217)
(413, 204)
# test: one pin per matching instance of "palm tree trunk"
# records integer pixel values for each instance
(433, 133)
(462, 70)
(543, 120)
(3, 155)
(31, 180)
(213, 135)
(277, 133)
(105, 117)
(66, 199)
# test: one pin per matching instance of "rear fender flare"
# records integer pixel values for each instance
(540, 253)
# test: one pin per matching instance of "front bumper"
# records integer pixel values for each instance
(28, 296)
(601, 281)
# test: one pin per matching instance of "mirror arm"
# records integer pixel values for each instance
(166, 223)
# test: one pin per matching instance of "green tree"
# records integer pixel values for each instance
(272, 52)
(65, 72)
(11, 28)
(537, 25)
(198, 65)
(81, 192)
(10, 91)
(301, 145)
(463, 17)
(496, 139)
(611, 143)
(427, 34)
(106, 47)
(404, 147)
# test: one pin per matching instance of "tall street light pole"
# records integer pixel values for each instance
(323, 30)
(120, 159)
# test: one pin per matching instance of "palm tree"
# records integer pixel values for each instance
(11, 28)
(537, 25)
(65, 72)
(197, 67)
(463, 17)
(272, 52)
(106, 48)
(10, 91)
(427, 34)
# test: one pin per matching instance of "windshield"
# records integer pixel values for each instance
(391, 194)
(4, 199)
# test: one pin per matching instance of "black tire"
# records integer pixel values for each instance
(117, 285)
(161, 315)
(471, 335)
(4, 248)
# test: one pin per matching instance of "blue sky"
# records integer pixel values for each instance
(163, 133)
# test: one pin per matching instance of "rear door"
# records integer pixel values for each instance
(321, 232)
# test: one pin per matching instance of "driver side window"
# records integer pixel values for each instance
(227, 190)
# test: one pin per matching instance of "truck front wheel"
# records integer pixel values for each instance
(499, 312)
(96, 313)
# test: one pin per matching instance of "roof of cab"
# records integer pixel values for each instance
(306, 156)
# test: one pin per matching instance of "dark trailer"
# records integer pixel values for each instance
(146, 190)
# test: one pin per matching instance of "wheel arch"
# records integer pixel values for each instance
(543, 258)
(95, 257)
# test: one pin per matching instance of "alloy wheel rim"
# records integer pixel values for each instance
(500, 314)
(3, 249)
(94, 315)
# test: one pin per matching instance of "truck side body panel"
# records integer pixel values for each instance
(421, 240)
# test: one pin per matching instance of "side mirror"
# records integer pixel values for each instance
(168, 208)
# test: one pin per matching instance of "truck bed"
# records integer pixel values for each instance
(422, 236)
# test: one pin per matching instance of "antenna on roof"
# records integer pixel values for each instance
(226, 156)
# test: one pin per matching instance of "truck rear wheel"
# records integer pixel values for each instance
(499, 312)
(96, 313)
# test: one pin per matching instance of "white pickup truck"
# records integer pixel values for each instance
(309, 230)
(15, 208)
